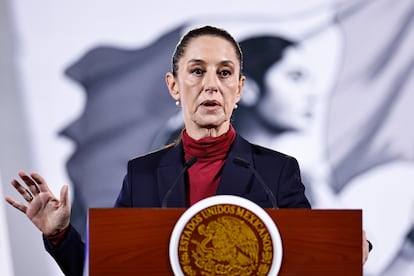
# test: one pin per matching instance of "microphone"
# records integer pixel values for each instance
(241, 162)
(187, 165)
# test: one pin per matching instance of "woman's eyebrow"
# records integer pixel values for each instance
(198, 61)
(201, 61)
(227, 62)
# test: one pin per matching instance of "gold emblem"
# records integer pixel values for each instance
(225, 239)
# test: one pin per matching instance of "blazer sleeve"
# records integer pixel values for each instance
(125, 197)
(69, 254)
(291, 191)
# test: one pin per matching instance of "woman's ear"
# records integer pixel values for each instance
(251, 93)
(240, 88)
(172, 86)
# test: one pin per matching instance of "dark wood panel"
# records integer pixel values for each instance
(136, 241)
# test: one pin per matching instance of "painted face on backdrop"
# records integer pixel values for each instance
(289, 97)
(207, 83)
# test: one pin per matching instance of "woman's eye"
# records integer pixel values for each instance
(197, 71)
(225, 73)
(296, 75)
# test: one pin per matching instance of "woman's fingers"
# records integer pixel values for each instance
(64, 196)
(18, 205)
(30, 182)
(26, 194)
(41, 183)
(365, 247)
(34, 182)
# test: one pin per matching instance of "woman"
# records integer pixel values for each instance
(279, 94)
(206, 81)
(278, 106)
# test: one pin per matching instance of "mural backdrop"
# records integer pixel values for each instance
(331, 85)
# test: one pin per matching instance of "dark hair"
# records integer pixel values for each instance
(197, 32)
(260, 53)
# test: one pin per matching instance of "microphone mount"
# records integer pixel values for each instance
(187, 165)
(243, 163)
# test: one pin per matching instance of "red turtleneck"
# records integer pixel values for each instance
(204, 175)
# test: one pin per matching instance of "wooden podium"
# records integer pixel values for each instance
(135, 241)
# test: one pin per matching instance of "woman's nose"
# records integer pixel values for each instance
(210, 82)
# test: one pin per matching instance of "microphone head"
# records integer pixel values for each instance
(190, 161)
(241, 162)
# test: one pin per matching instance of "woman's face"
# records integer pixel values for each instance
(288, 99)
(207, 85)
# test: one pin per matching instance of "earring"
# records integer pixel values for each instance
(236, 106)
(177, 103)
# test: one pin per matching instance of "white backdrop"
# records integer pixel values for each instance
(5, 256)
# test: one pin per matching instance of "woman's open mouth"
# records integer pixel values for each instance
(210, 104)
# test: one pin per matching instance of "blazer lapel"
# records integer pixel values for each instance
(235, 179)
(168, 174)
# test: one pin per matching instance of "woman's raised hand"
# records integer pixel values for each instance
(50, 214)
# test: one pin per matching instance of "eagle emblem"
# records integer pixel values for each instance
(229, 247)
(225, 240)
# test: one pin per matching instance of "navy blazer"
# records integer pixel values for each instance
(149, 177)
